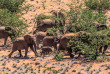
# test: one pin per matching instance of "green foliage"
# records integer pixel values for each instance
(85, 19)
(89, 42)
(9, 19)
(52, 31)
(11, 5)
(59, 19)
(98, 4)
(58, 55)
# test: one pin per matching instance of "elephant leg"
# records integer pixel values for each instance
(105, 48)
(33, 50)
(20, 53)
(26, 51)
(5, 40)
(55, 46)
(60, 47)
(70, 53)
(100, 49)
(11, 53)
(38, 46)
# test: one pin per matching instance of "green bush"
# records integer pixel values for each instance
(8, 19)
(85, 19)
(98, 4)
(11, 5)
(59, 19)
(58, 55)
(93, 39)
(89, 43)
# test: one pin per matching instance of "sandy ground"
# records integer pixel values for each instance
(48, 65)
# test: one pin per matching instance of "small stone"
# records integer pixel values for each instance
(108, 65)
(84, 65)
(79, 73)
(103, 65)
(75, 62)
(99, 70)
(37, 63)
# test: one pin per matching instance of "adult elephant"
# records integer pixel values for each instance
(65, 39)
(24, 44)
(39, 37)
(44, 25)
(5, 33)
(51, 41)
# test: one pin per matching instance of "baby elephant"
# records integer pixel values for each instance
(46, 50)
(24, 44)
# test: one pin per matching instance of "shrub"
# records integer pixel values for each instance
(58, 55)
(93, 39)
(85, 19)
(90, 42)
(8, 19)
(59, 19)
(98, 4)
(11, 5)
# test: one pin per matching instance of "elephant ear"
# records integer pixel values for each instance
(27, 39)
(31, 40)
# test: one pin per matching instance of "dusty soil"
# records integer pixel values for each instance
(38, 65)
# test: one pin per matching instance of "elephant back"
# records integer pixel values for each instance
(48, 40)
(45, 24)
(66, 37)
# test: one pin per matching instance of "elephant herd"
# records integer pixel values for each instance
(42, 37)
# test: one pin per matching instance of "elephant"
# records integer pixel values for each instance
(46, 50)
(39, 37)
(102, 27)
(24, 44)
(44, 25)
(64, 42)
(51, 41)
(5, 34)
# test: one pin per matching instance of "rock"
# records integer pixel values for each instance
(1, 60)
(14, 66)
(81, 69)
(103, 65)
(75, 62)
(99, 70)
(37, 63)
(55, 64)
(108, 65)
(62, 65)
(33, 59)
(12, 73)
(79, 73)
(84, 65)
